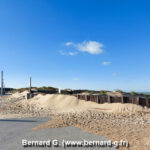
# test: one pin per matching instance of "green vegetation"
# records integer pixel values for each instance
(39, 89)
(47, 88)
(133, 93)
(103, 92)
(119, 91)
(53, 90)
(89, 91)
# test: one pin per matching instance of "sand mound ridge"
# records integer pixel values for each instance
(66, 103)
(17, 94)
(121, 108)
(61, 103)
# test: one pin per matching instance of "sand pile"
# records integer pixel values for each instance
(122, 108)
(66, 103)
(61, 103)
(58, 103)
(19, 95)
(132, 127)
(109, 119)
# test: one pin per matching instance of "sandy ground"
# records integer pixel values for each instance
(133, 128)
(113, 121)
(14, 130)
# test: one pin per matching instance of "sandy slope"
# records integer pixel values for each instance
(114, 121)
(66, 103)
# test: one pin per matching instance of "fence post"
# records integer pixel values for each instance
(108, 99)
(96, 99)
(122, 99)
(85, 97)
(147, 103)
(137, 99)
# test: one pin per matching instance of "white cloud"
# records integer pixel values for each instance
(68, 53)
(92, 47)
(72, 53)
(106, 63)
(69, 43)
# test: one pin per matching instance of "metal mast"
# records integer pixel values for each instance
(30, 85)
(2, 83)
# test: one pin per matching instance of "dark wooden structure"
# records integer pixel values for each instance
(100, 99)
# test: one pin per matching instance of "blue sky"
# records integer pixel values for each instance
(88, 44)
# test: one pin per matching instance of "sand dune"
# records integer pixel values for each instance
(66, 103)
(17, 94)
(113, 120)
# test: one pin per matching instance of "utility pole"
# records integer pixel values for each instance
(30, 85)
(59, 90)
(4, 88)
(2, 83)
(30, 94)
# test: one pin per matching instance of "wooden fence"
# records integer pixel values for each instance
(100, 99)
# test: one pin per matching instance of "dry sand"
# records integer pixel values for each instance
(114, 121)
(66, 103)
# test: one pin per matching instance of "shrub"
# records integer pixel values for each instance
(119, 91)
(133, 93)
